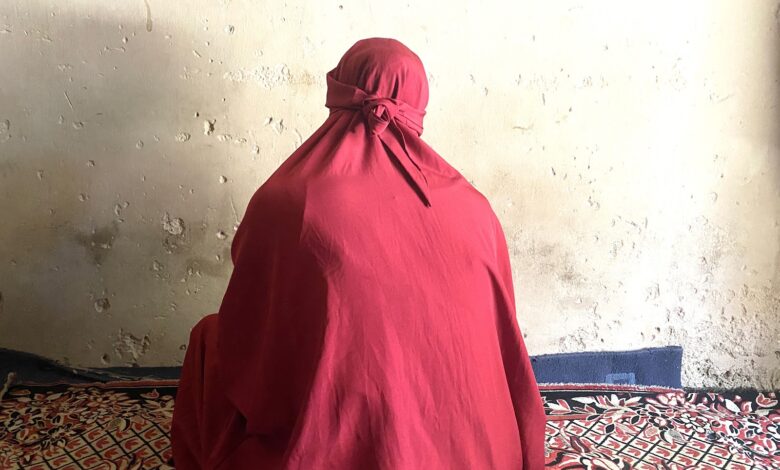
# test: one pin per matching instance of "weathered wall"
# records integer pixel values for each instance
(631, 152)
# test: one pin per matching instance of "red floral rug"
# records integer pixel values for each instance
(121, 425)
(125, 425)
(621, 427)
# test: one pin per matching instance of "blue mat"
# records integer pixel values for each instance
(654, 366)
(650, 366)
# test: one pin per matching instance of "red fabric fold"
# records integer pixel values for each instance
(361, 328)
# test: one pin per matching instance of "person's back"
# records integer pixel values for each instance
(370, 319)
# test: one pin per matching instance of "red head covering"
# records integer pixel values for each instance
(386, 82)
(367, 325)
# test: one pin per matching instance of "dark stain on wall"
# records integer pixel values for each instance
(99, 242)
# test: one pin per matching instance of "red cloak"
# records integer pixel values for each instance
(369, 322)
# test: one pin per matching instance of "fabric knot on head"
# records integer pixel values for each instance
(378, 113)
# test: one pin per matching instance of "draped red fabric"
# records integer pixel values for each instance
(370, 320)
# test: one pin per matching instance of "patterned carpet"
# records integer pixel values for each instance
(619, 427)
(126, 425)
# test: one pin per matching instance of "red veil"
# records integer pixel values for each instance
(369, 322)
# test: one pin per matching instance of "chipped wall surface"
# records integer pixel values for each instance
(630, 151)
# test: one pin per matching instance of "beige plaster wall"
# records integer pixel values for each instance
(630, 150)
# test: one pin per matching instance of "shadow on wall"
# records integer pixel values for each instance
(112, 197)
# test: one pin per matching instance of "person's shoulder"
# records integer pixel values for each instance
(477, 199)
(276, 200)
(284, 191)
(273, 213)
(451, 177)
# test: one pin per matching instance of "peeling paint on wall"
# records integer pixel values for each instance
(5, 130)
(129, 348)
(265, 76)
